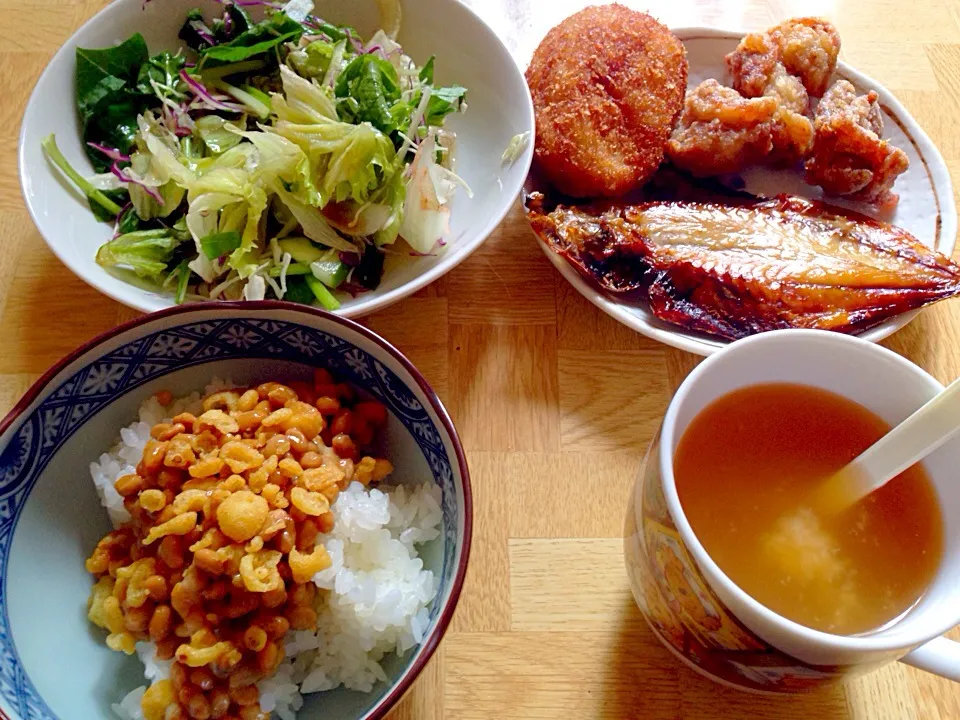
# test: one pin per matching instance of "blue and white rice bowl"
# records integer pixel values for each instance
(53, 661)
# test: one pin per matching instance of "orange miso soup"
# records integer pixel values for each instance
(745, 468)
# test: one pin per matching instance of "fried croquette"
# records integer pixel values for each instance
(720, 131)
(806, 48)
(849, 156)
(607, 84)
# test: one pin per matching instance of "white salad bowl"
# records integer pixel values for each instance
(467, 53)
(54, 664)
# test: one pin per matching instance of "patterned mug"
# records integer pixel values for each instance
(698, 612)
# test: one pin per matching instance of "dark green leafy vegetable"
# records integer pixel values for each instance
(108, 99)
(195, 32)
(373, 87)
(298, 291)
(219, 244)
(164, 69)
(100, 204)
(128, 221)
(260, 38)
(442, 102)
(146, 252)
(335, 33)
(426, 72)
(235, 22)
(183, 280)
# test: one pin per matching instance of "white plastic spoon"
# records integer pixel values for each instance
(909, 442)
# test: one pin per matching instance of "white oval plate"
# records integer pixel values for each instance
(926, 208)
(468, 53)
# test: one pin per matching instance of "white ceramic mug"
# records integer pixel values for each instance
(708, 621)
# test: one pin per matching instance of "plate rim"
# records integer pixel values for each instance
(704, 345)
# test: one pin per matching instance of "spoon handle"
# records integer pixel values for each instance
(916, 437)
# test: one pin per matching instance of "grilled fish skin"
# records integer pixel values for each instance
(741, 267)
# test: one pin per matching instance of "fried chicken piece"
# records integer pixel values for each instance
(792, 130)
(607, 84)
(721, 131)
(753, 63)
(804, 47)
(809, 48)
(849, 156)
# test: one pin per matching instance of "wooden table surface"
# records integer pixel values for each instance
(555, 402)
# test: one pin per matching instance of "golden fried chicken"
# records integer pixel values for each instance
(804, 47)
(607, 84)
(792, 129)
(809, 49)
(753, 63)
(720, 131)
(849, 156)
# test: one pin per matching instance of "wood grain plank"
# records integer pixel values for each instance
(583, 326)
(703, 699)
(503, 384)
(506, 281)
(485, 602)
(944, 58)
(610, 400)
(419, 329)
(897, 64)
(418, 321)
(566, 585)
(545, 489)
(561, 675)
(48, 311)
(12, 388)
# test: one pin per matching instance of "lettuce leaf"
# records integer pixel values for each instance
(369, 87)
(313, 60)
(302, 101)
(443, 101)
(146, 252)
(393, 195)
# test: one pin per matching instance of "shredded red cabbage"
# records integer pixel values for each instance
(116, 225)
(354, 40)
(203, 31)
(201, 92)
(349, 259)
(112, 153)
(151, 191)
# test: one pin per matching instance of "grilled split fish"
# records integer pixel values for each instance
(748, 266)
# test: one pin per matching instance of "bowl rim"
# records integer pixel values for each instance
(432, 641)
(138, 298)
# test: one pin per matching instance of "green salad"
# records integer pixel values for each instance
(274, 159)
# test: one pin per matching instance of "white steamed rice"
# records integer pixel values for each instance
(375, 596)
